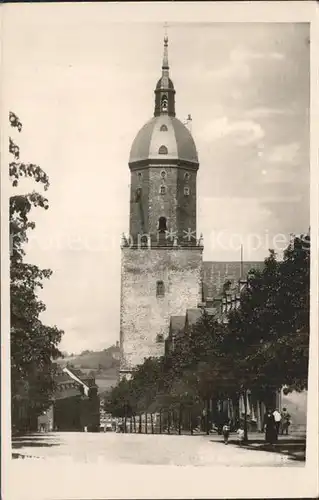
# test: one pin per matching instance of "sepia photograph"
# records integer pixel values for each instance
(159, 205)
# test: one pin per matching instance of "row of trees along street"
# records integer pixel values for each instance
(263, 347)
(34, 346)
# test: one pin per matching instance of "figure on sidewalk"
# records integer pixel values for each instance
(277, 417)
(241, 435)
(270, 427)
(285, 421)
(226, 431)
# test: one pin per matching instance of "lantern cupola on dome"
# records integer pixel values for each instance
(164, 138)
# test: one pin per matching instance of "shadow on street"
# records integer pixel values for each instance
(295, 449)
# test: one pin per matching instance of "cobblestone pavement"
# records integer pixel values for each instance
(137, 449)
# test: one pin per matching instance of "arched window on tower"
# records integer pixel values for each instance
(163, 190)
(163, 174)
(138, 194)
(163, 150)
(164, 103)
(159, 338)
(162, 224)
(160, 289)
(186, 191)
(163, 128)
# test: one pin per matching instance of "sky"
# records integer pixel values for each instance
(84, 89)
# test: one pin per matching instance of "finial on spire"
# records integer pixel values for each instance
(165, 55)
(165, 30)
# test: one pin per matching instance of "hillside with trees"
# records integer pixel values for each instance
(103, 365)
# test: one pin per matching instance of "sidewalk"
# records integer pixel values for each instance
(293, 445)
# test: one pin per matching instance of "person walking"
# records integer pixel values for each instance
(226, 431)
(277, 417)
(241, 435)
(285, 421)
(270, 427)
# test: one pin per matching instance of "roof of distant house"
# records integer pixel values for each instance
(193, 315)
(177, 323)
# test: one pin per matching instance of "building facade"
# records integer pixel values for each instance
(162, 257)
(75, 403)
(162, 270)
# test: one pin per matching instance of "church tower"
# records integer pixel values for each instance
(161, 258)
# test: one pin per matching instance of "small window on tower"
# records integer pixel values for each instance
(187, 176)
(138, 194)
(163, 174)
(140, 175)
(160, 289)
(159, 338)
(162, 224)
(163, 150)
(163, 128)
(186, 191)
(164, 103)
(163, 190)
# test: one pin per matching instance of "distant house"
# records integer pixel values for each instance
(75, 403)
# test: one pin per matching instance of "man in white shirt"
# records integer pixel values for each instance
(277, 417)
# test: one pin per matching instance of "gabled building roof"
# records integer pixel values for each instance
(177, 324)
(192, 316)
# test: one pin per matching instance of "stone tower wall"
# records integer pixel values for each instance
(163, 205)
(178, 208)
(186, 205)
(143, 315)
(139, 209)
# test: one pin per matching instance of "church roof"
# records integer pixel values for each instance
(167, 131)
(216, 274)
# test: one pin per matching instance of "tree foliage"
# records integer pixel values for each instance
(33, 345)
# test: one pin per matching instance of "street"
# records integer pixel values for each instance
(109, 465)
(141, 449)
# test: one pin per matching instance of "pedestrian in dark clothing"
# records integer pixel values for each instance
(270, 428)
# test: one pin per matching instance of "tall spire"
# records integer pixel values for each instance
(165, 66)
(164, 92)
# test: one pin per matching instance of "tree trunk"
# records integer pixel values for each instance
(131, 425)
(191, 422)
(152, 423)
(207, 416)
(140, 424)
(160, 422)
(134, 423)
(180, 415)
(169, 422)
(125, 422)
(145, 423)
(245, 418)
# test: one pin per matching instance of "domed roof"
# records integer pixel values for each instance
(164, 137)
(165, 83)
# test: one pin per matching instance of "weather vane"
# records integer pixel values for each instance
(166, 26)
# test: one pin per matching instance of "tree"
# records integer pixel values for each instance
(267, 339)
(263, 346)
(34, 345)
